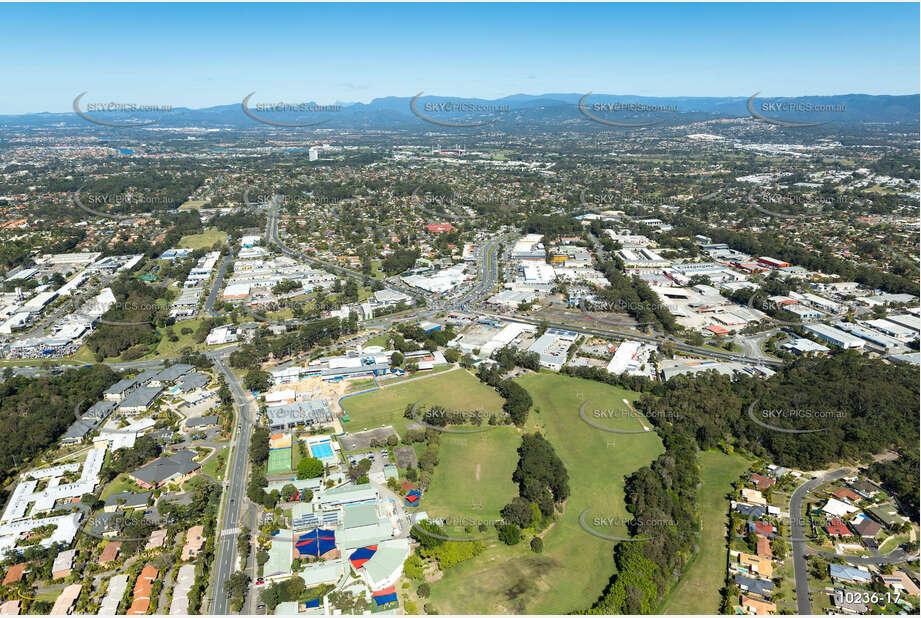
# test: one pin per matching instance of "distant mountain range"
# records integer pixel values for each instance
(559, 110)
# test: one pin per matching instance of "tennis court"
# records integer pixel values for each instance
(279, 461)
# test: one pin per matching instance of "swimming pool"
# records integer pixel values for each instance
(321, 450)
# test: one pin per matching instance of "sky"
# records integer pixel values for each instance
(198, 55)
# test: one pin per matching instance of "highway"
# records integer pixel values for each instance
(235, 487)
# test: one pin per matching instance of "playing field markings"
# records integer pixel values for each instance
(639, 417)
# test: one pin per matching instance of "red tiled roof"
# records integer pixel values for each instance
(836, 527)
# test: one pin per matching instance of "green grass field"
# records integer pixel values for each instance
(473, 479)
(119, 484)
(457, 390)
(205, 240)
(699, 591)
(575, 566)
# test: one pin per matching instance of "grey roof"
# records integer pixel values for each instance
(173, 372)
(80, 429)
(750, 509)
(201, 421)
(147, 375)
(755, 586)
(311, 411)
(165, 468)
(104, 522)
(121, 386)
(342, 371)
(128, 499)
(191, 381)
(100, 409)
(140, 397)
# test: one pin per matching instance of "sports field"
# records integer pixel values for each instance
(699, 591)
(279, 461)
(205, 240)
(455, 390)
(473, 478)
(575, 566)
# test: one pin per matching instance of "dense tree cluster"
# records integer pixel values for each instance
(400, 261)
(633, 296)
(662, 499)
(319, 332)
(34, 412)
(129, 325)
(517, 400)
(900, 476)
(857, 406)
(541, 477)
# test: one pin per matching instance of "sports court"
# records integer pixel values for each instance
(279, 461)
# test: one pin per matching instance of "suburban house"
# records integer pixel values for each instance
(194, 541)
(126, 500)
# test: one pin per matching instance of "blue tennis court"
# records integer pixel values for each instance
(321, 450)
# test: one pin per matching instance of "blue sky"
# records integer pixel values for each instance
(197, 55)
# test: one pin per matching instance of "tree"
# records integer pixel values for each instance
(396, 359)
(424, 590)
(288, 492)
(257, 380)
(309, 468)
(537, 545)
(518, 512)
(510, 534)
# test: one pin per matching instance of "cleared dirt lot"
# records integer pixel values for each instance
(406, 457)
(362, 440)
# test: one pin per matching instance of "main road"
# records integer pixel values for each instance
(228, 525)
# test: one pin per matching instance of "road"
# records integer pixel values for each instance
(751, 344)
(797, 539)
(216, 286)
(229, 514)
(801, 549)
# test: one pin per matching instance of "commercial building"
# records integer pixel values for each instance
(553, 347)
(834, 336)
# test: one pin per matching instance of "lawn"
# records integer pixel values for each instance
(699, 590)
(575, 566)
(205, 240)
(456, 390)
(382, 339)
(119, 484)
(211, 466)
(473, 479)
